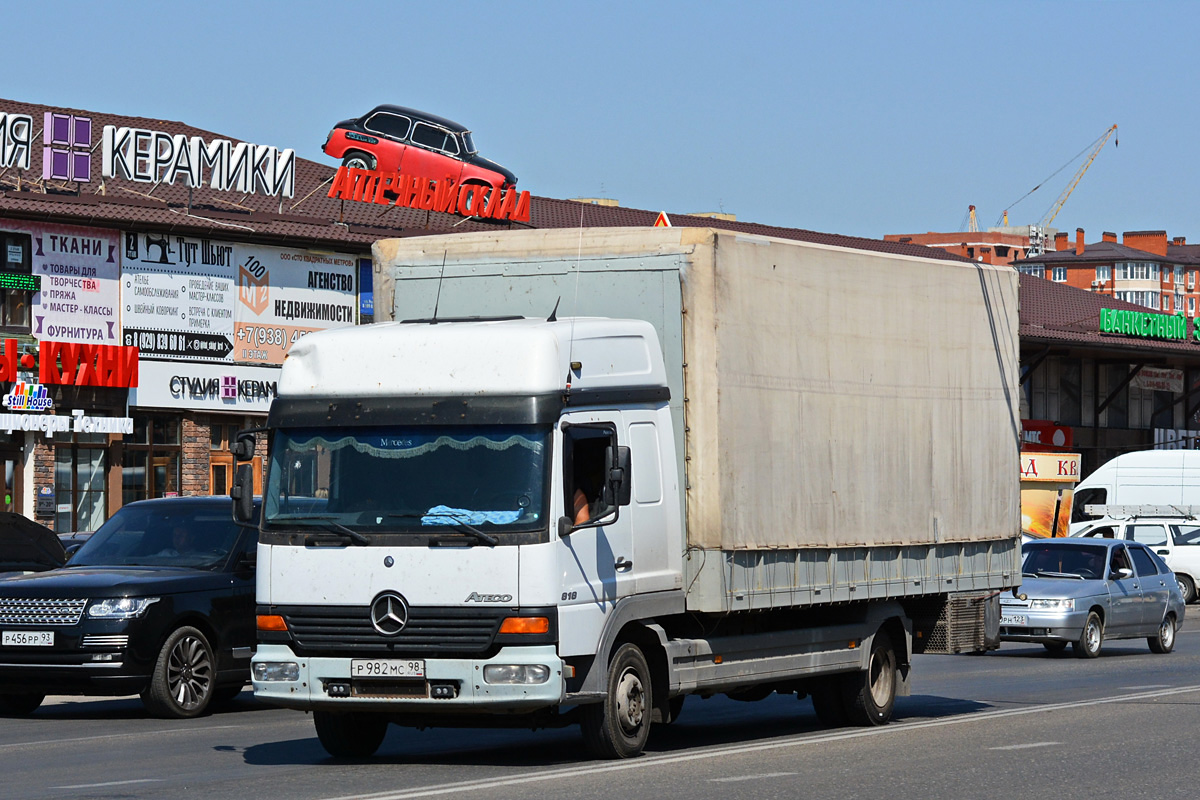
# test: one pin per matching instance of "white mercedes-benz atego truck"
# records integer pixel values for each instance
(583, 475)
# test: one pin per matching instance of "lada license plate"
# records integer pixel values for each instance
(28, 639)
(387, 668)
(1014, 619)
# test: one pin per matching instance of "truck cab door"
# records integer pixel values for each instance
(595, 555)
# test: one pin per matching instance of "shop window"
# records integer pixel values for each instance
(1070, 406)
(1117, 413)
(152, 453)
(16, 261)
(80, 485)
(1164, 410)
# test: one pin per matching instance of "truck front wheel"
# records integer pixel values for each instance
(871, 695)
(350, 735)
(618, 726)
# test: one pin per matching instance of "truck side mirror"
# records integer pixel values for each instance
(243, 444)
(618, 486)
(242, 493)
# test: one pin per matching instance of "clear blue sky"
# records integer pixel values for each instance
(847, 117)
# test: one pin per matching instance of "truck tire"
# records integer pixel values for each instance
(871, 695)
(1164, 642)
(19, 705)
(350, 735)
(1091, 639)
(617, 727)
(183, 680)
(829, 702)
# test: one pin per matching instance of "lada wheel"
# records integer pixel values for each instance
(182, 683)
(1091, 639)
(18, 705)
(870, 696)
(1165, 641)
(350, 735)
(618, 726)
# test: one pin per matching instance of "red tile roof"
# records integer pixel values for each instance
(310, 218)
(1057, 314)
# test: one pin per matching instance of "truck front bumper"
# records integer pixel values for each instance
(450, 685)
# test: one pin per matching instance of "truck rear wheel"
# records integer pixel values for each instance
(829, 703)
(871, 695)
(618, 726)
(350, 735)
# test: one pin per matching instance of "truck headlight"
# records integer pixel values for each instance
(121, 607)
(276, 671)
(1053, 605)
(516, 673)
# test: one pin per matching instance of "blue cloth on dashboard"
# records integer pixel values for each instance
(444, 515)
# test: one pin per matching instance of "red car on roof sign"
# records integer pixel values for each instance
(397, 139)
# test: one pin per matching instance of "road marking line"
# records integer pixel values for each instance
(1025, 746)
(1146, 687)
(728, 750)
(109, 783)
(16, 745)
(751, 777)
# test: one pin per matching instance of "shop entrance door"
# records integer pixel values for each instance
(221, 464)
(13, 461)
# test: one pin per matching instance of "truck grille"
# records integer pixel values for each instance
(40, 611)
(339, 629)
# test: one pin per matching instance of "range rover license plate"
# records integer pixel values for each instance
(27, 639)
(387, 668)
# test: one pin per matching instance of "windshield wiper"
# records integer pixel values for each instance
(1059, 575)
(463, 525)
(330, 524)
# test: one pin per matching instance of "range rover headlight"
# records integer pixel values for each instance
(120, 607)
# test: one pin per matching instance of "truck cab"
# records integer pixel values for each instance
(455, 569)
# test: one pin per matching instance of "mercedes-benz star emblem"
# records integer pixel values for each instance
(389, 613)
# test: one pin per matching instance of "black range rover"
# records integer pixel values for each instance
(158, 602)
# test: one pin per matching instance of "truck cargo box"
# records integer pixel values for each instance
(847, 420)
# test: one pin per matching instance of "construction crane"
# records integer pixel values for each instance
(1037, 233)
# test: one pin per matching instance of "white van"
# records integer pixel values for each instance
(1140, 478)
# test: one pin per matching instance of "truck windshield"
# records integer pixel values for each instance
(418, 479)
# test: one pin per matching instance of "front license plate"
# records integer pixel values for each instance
(1014, 619)
(28, 639)
(386, 668)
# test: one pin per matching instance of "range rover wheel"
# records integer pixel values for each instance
(350, 735)
(182, 683)
(19, 705)
(617, 727)
(356, 160)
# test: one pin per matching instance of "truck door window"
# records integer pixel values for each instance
(583, 449)
(1094, 496)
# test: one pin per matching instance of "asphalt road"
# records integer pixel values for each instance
(1013, 723)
